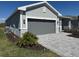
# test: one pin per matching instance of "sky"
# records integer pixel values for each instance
(64, 7)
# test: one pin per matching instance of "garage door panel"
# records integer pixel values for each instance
(41, 27)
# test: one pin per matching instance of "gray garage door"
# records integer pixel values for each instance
(39, 27)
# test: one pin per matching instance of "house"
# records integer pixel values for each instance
(70, 22)
(39, 18)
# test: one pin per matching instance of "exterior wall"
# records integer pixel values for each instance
(39, 12)
(23, 27)
(23, 18)
(69, 24)
(74, 23)
(13, 23)
(65, 24)
(22, 31)
(15, 31)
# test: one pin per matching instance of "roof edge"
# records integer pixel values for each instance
(26, 6)
(34, 4)
(59, 14)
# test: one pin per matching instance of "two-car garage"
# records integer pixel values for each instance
(41, 26)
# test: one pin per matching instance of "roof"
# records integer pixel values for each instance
(35, 4)
(24, 8)
(70, 17)
(65, 17)
(74, 17)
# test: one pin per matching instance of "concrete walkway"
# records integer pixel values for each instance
(61, 43)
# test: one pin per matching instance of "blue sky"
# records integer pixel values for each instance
(64, 7)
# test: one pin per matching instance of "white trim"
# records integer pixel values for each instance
(56, 19)
(60, 25)
(42, 18)
(20, 20)
(57, 26)
(20, 24)
(69, 24)
(26, 24)
(25, 7)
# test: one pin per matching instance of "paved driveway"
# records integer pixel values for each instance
(61, 43)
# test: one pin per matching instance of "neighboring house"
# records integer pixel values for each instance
(69, 22)
(39, 18)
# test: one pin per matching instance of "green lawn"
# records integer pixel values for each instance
(8, 48)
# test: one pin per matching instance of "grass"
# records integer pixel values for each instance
(9, 49)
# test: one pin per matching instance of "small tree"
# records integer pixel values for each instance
(27, 39)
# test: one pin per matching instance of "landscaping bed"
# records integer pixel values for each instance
(68, 30)
(74, 32)
(11, 49)
(13, 38)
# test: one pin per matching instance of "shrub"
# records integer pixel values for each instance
(75, 31)
(68, 30)
(27, 39)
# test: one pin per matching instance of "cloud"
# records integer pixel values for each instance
(2, 20)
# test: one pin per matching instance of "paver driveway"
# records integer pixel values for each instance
(61, 43)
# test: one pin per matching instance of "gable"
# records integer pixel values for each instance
(41, 11)
(36, 5)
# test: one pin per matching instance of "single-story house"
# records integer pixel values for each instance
(38, 18)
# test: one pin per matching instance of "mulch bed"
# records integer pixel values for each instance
(35, 47)
(13, 38)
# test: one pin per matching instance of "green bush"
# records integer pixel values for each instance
(28, 39)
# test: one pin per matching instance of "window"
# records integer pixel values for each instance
(24, 21)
